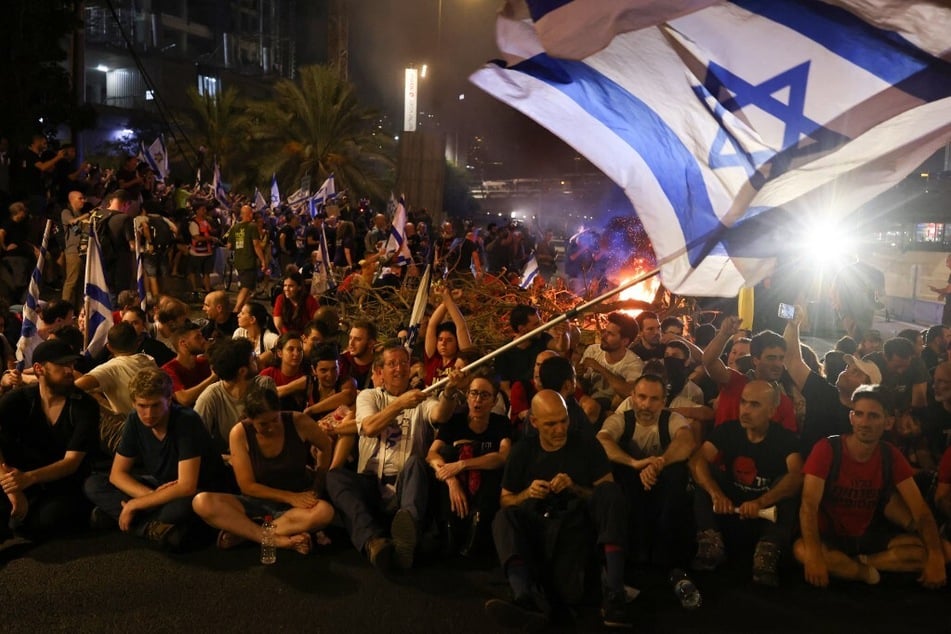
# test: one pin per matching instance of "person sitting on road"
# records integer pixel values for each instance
(270, 455)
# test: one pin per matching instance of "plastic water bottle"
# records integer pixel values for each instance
(268, 548)
(685, 589)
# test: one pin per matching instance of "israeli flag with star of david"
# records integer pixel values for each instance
(730, 124)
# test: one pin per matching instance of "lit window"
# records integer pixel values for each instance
(208, 86)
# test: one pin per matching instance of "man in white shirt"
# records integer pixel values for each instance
(610, 369)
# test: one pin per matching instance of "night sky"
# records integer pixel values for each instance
(399, 33)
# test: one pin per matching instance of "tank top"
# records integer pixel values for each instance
(287, 470)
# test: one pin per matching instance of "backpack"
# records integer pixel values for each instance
(663, 425)
(162, 235)
(836, 443)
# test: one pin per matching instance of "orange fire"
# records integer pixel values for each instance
(644, 291)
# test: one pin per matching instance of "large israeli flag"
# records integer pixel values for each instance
(728, 125)
(98, 304)
(29, 335)
(325, 194)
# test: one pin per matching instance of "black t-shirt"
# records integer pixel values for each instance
(518, 364)
(455, 433)
(17, 233)
(290, 240)
(582, 458)
(213, 330)
(825, 413)
(645, 353)
(29, 442)
(752, 468)
(185, 438)
(935, 427)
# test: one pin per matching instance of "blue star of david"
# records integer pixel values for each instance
(761, 96)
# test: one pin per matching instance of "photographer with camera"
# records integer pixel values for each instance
(75, 218)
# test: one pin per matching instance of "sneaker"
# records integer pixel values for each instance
(403, 531)
(99, 520)
(380, 553)
(710, 551)
(167, 536)
(523, 613)
(614, 611)
(765, 564)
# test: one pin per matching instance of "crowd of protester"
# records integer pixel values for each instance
(665, 442)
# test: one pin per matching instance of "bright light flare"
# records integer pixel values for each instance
(825, 241)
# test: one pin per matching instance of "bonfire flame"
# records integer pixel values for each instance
(643, 292)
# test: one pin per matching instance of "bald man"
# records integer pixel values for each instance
(221, 321)
(762, 469)
(557, 490)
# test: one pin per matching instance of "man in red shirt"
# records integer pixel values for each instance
(848, 481)
(190, 371)
(768, 350)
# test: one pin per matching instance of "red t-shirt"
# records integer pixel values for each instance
(728, 405)
(304, 316)
(435, 369)
(184, 378)
(849, 504)
(279, 377)
(944, 468)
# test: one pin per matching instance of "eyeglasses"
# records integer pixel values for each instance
(480, 395)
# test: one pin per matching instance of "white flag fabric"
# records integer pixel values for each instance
(325, 194)
(529, 273)
(219, 188)
(29, 335)
(259, 203)
(98, 304)
(397, 248)
(728, 125)
(419, 307)
(275, 193)
(156, 156)
(298, 199)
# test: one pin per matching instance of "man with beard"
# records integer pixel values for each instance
(611, 368)
(762, 468)
(49, 432)
(936, 347)
(391, 479)
(190, 370)
(648, 345)
(768, 350)
(357, 360)
(649, 447)
(827, 406)
(849, 480)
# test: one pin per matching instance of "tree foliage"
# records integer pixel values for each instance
(315, 127)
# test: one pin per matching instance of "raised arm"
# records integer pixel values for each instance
(796, 367)
(712, 362)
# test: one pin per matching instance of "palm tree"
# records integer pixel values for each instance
(316, 128)
(221, 124)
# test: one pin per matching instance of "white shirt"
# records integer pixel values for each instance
(628, 368)
(407, 435)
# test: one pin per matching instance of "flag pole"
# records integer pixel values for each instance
(571, 314)
(93, 220)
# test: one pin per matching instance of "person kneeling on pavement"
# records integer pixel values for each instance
(557, 487)
(164, 458)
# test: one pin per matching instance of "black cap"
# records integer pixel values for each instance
(54, 351)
